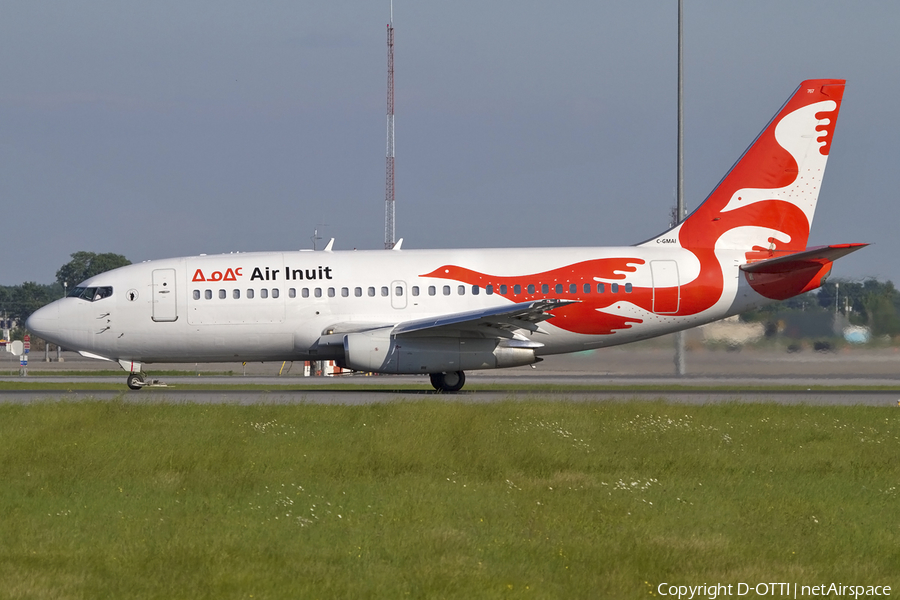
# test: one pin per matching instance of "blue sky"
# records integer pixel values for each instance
(169, 128)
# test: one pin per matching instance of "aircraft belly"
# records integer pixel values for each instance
(232, 343)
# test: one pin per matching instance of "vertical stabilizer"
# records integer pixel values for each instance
(766, 202)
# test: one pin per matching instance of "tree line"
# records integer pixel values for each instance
(869, 303)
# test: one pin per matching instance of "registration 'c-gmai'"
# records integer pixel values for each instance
(442, 312)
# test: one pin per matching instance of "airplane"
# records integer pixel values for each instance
(444, 312)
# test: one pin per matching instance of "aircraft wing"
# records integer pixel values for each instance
(501, 320)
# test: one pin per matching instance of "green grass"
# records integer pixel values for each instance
(442, 499)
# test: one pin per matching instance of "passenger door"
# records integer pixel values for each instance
(666, 287)
(165, 298)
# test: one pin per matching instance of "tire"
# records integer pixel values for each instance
(452, 381)
(135, 381)
(437, 380)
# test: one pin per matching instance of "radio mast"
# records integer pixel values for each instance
(389, 183)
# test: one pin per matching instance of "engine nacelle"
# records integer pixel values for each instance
(378, 351)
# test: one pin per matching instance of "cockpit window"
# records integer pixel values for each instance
(91, 294)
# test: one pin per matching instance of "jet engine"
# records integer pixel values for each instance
(379, 351)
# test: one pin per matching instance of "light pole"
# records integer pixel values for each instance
(679, 210)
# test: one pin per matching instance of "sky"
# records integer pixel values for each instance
(170, 128)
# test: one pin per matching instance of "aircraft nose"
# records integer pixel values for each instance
(44, 322)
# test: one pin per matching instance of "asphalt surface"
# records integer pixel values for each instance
(583, 377)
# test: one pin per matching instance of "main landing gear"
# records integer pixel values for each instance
(452, 381)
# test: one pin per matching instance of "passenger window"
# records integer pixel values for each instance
(475, 290)
(587, 288)
(398, 290)
(345, 292)
(627, 288)
(489, 290)
(196, 294)
(446, 290)
(573, 289)
(614, 288)
(517, 289)
(530, 288)
(384, 291)
(236, 294)
(304, 293)
(371, 291)
(331, 292)
(208, 294)
(318, 292)
(415, 290)
(431, 290)
(558, 288)
(275, 292)
(545, 289)
(250, 293)
(357, 292)
(503, 289)
(601, 288)
(292, 293)
(461, 290)
(264, 293)
(222, 294)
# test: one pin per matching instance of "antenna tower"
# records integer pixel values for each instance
(389, 183)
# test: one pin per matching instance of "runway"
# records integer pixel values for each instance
(361, 391)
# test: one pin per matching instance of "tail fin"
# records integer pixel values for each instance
(766, 202)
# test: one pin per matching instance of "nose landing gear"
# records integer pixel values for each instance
(136, 379)
(136, 382)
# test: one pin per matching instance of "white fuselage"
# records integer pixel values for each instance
(277, 306)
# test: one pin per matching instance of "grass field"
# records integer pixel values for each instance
(437, 499)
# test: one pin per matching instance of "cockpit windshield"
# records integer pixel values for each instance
(91, 294)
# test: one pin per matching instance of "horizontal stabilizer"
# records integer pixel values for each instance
(819, 255)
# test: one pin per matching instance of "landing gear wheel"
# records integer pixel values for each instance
(135, 381)
(452, 381)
